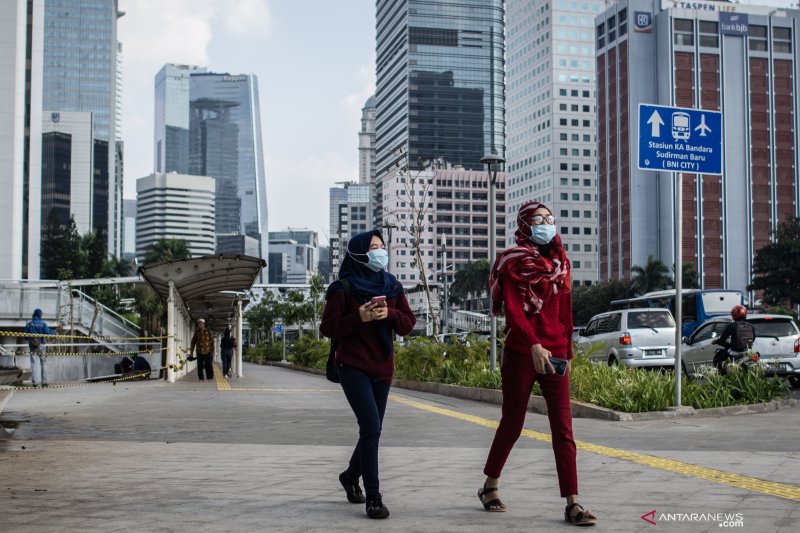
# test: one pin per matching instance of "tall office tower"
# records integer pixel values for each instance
(21, 35)
(660, 54)
(440, 87)
(303, 247)
(80, 74)
(551, 131)
(225, 143)
(175, 206)
(366, 143)
(349, 208)
(171, 148)
(74, 172)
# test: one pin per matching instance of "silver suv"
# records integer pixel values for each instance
(777, 344)
(631, 337)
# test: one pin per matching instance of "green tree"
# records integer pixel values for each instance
(95, 252)
(689, 277)
(653, 276)
(588, 301)
(261, 317)
(62, 255)
(167, 250)
(149, 307)
(775, 266)
(471, 282)
(316, 290)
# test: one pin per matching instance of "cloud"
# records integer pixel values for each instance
(365, 79)
(243, 17)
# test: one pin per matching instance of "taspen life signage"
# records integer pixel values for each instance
(678, 139)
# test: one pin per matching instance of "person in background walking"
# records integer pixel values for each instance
(531, 282)
(203, 340)
(227, 345)
(363, 311)
(38, 348)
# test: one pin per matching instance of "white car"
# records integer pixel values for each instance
(631, 337)
(777, 343)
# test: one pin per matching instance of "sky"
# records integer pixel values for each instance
(315, 65)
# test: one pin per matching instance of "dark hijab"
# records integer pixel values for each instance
(366, 283)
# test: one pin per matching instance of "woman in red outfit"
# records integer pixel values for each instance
(531, 282)
(364, 324)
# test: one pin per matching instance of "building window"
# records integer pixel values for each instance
(709, 34)
(587, 168)
(563, 166)
(576, 230)
(576, 214)
(782, 40)
(562, 136)
(612, 29)
(564, 196)
(564, 230)
(564, 213)
(684, 32)
(587, 247)
(587, 231)
(623, 22)
(757, 38)
(576, 264)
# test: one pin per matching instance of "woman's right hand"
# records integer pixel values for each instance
(365, 312)
(541, 359)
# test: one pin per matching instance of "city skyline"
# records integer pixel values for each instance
(308, 98)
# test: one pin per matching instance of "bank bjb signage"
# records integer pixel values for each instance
(733, 23)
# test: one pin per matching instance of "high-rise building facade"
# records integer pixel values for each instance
(80, 69)
(129, 229)
(225, 143)
(301, 248)
(21, 36)
(366, 143)
(171, 121)
(350, 208)
(449, 202)
(75, 180)
(175, 206)
(440, 82)
(739, 59)
(551, 130)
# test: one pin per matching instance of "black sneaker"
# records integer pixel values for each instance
(45, 385)
(375, 507)
(351, 487)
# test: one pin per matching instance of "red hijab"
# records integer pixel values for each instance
(537, 271)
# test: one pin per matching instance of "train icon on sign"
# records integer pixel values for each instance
(681, 126)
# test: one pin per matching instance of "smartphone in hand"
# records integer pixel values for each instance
(378, 300)
(560, 366)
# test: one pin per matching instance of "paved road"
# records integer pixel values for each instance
(264, 456)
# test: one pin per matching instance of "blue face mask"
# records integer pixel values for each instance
(378, 259)
(543, 233)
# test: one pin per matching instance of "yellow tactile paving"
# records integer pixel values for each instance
(780, 490)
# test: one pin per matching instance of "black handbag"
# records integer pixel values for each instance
(331, 372)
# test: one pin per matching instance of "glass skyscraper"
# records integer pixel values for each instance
(172, 118)
(440, 87)
(80, 74)
(225, 144)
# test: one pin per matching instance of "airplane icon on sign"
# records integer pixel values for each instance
(702, 127)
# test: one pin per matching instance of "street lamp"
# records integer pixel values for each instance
(492, 162)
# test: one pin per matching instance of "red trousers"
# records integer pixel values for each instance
(518, 378)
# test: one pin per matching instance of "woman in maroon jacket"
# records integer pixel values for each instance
(364, 325)
(532, 283)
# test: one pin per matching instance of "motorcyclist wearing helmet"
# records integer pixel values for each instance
(736, 339)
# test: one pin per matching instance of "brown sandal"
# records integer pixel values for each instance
(493, 506)
(581, 518)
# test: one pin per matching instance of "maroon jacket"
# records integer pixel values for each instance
(358, 342)
(551, 327)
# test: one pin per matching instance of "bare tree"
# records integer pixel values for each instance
(416, 218)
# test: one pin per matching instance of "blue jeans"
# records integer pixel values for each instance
(38, 372)
(367, 398)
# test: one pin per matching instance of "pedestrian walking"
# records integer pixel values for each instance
(531, 283)
(203, 340)
(38, 348)
(364, 310)
(227, 345)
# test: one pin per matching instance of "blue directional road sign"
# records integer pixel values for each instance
(677, 139)
(277, 328)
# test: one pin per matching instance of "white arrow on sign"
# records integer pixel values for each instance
(656, 122)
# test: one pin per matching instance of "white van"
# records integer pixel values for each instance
(631, 337)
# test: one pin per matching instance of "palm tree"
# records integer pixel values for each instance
(652, 277)
(167, 250)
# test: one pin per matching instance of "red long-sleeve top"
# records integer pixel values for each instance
(359, 344)
(551, 327)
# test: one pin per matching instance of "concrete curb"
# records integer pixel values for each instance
(537, 404)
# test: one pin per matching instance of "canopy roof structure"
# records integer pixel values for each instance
(209, 286)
